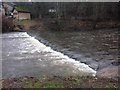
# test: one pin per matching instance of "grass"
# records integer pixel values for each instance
(78, 81)
(43, 82)
(110, 85)
(60, 82)
(19, 8)
(23, 22)
(29, 25)
(53, 85)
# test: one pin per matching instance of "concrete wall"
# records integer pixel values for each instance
(23, 16)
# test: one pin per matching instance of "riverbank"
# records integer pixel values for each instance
(65, 25)
(77, 25)
(60, 82)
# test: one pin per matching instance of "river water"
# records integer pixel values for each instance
(62, 53)
(23, 55)
(97, 48)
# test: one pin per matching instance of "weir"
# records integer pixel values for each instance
(23, 55)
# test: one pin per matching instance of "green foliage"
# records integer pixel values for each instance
(52, 85)
(56, 82)
(22, 8)
(28, 84)
(41, 83)
(78, 81)
(24, 22)
(110, 86)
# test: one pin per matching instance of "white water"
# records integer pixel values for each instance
(63, 58)
(46, 60)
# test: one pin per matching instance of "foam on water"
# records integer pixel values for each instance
(63, 59)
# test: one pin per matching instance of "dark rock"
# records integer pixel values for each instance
(20, 26)
(88, 55)
(98, 59)
(104, 63)
(77, 57)
(94, 65)
(116, 63)
(86, 60)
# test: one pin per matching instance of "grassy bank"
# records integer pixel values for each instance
(64, 25)
(28, 25)
(60, 82)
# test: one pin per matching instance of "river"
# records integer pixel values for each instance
(97, 48)
(24, 55)
(62, 53)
